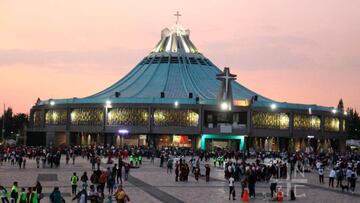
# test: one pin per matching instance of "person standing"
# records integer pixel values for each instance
(349, 172)
(177, 166)
(37, 161)
(231, 188)
(39, 191)
(252, 181)
(14, 195)
(35, 196)
(321, 175)
(29, 195)
(169, 166)
(73, 158)
(273, 186)
(74, 180)
(207, 172)
(353, 182)
(339, 177)
(23, 196)
(332, 177)
(119, 173)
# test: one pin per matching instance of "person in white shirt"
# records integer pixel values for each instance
(231, 188)
(318, 165)
(332, 176)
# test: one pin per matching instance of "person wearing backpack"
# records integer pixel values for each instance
(84, 179)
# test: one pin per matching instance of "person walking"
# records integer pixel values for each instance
(3, 194)
(332, 176)
(84, 179)
(120, 195)
(81, 197)
(321, 175)
(110, 183)
(55, 196)
(74, 180)
(14, 195)
(127, 171)
(231, 188)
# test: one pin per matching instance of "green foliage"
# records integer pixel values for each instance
(13, 123)
(353, 124)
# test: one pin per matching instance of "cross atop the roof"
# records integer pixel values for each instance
(177, 14)
(226, 76)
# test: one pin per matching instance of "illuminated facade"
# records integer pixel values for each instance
(176, 97)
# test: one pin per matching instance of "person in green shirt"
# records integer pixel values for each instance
(14, 195)
(140, 159)
(23, 196)
(35, 198)
(74, 180)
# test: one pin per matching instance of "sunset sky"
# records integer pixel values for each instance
(295, 51)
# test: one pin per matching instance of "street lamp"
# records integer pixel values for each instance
(52, 102)
(224, 106)
(273, 106)
(334, 111)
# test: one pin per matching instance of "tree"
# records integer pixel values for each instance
(340, 106)
(353, 124)
(13, 124)
(20, 120)
(8, 123)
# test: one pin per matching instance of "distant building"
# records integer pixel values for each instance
(176, 97)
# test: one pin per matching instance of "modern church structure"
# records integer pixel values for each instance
(176, 97)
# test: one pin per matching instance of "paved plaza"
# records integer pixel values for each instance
(152, 184)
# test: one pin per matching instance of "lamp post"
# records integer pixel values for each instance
(122, 133)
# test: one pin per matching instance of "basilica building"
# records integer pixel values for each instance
(176, 97)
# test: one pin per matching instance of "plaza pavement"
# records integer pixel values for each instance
(150, 183)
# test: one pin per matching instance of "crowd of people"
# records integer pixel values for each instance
(246, 168)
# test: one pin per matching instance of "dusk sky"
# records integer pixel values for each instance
(295, 51)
